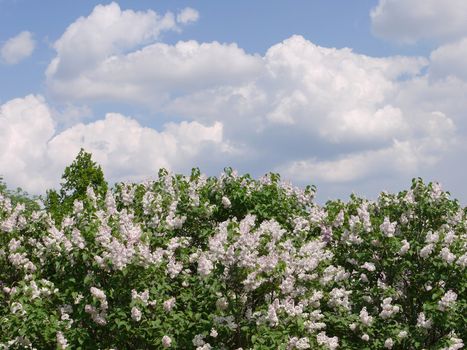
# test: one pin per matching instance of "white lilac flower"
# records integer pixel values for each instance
(329, 342)
(455, 342)
(449, 237)
(65, 310)
(300, 224)
(17, 307)
(410, 197)
(339, 297)
(339, 220)
(90, 194)
(97, 293)
(388, 228)
(8, 225)
(205, 265)
(402, 335)
(198, 340)
(166, 341)
(222, 304)
(35, 292)
(62, 343)
(272, 315)
(365, 317)
(312, 326)
(364, 215)
(405, 247)
(426, 250)
(446, 255)
(169, 304)
(77, 239)
(387, 309)
(78, 206)
(226, 202)
(206, 346)
(389, 343)
(302, 343)
(213, 333)
(365, 337)
(423, 322)
(142, 297)
(447, 300)
(431, 237)
(369, 266)
(436, 191)
(315, 298)
(110, 203)
(97, 316)
(136, 314)
(333, 273)
(174, 268)
(14, 245)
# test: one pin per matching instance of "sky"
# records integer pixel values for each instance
(350, 96)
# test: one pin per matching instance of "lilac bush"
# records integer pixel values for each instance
(192, 262)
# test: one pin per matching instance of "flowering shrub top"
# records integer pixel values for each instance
(233, 262)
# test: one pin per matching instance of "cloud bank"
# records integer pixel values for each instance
(408, 21)
(35, 153)
(315, 114)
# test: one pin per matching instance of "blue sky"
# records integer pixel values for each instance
(354, 96)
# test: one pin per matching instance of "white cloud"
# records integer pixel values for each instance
(352, 167)
(34, 154)
(26, 128)
(295, 83)
(334, 94)
(17, 48)
(407, 157)
(300, 106)
(450, 60)
(155, 73)
(187, 15)
(105, 32)
(408, 21)
(127, 150)
(313, 113)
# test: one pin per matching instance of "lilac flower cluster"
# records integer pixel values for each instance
(232, 262)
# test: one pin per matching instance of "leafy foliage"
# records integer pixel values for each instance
(82, 174)
(230, 262)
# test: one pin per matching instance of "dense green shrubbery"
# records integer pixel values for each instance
(228, 263)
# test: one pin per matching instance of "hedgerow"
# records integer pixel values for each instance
(230, 262)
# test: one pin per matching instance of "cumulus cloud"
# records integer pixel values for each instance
(17, 48)
(339, 94)
(35, 154)
(352, 167)
(449, 60)
(335, 95)
(406, 157)
(316, 114)
(26, 128)
(157, 72)
(299, 106)
(127, 150)
(408, 21)
(295, 83)
(107, 31)
(187, 15)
